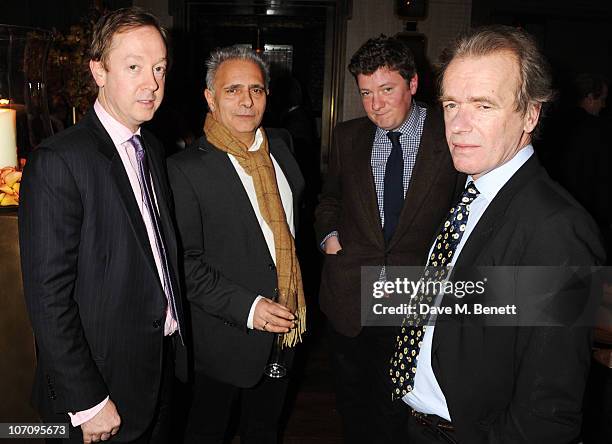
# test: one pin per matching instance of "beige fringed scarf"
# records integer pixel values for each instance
(258, 165)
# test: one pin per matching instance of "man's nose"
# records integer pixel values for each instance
(246, 99)
(377, 102)
(460, 121)
(150, 81)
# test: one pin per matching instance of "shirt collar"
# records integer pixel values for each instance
(118, 132)
(407, 128)
(490, 184)
(258, 141)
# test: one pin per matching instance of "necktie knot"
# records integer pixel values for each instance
(136, 142)
(469, 194)
(394, 137)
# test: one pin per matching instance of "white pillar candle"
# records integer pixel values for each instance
(8, 145)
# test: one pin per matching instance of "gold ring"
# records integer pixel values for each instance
(264, 327)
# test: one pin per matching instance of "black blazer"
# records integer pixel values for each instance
(227, 263)
(519, 384)
(91, 286)
(348, 204)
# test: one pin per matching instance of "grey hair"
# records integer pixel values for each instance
(535, 80)
(220, 55)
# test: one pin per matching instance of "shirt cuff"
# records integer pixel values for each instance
(79, 418)
(252, 312)
(332, 234)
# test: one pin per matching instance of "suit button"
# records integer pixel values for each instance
(157, 323)
(275, 292)
(271, 266)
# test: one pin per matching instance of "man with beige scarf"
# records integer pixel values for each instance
(236, 194)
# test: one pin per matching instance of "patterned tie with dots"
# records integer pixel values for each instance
(408, 342)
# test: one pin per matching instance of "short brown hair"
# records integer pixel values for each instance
(119, 21)
(535, 80)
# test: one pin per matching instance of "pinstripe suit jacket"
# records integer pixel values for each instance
(93, 293)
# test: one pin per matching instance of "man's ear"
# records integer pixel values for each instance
(532, 115)
(414, 84)
(210, 99)
(98, 72)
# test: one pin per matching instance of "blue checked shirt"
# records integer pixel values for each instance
(411, 130)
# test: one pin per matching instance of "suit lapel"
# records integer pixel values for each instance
(432, 149)
(495, 213)
(163, 199)
(290, 169)
(364, 180)
(123, 186)
(493, 217)
(228, 180)
(161, 194)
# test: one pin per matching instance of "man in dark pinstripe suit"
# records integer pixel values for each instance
(98, 250)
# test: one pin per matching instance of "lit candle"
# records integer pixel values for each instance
(8, 145)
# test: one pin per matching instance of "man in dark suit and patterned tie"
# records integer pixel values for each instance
(236, 193)
(98, 250)
(463, 379)
(389, 183)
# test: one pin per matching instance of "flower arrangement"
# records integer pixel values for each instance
(71, 87)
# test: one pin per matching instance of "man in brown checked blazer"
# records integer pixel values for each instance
(389, 184)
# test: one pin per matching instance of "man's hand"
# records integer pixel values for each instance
(332, 245)
(272, 317)
(102, 426)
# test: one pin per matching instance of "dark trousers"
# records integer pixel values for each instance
(363, 386)
(213, 401)
(597, 424)
(158, 431)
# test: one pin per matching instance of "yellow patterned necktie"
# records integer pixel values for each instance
(408, 342)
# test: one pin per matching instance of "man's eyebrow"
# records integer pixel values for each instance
(139, 57)
(470, 99)
(233, 86)
(485, 99)
(242, 85)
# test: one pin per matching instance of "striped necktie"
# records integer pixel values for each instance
(144, 177)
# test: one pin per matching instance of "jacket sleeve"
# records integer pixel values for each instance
(329, 210)
(50, 219)
(205, 286)
(553, 361)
